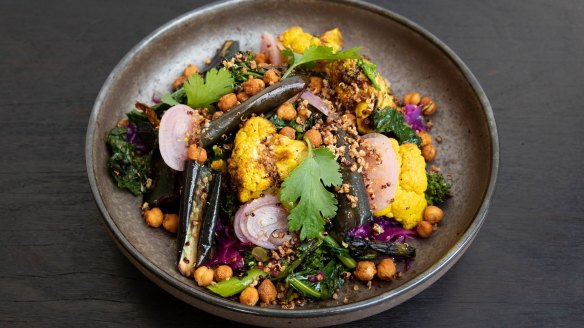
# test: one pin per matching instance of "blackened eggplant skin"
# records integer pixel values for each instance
(227, 51)
(196, 182)
(370, 249)
(258, 104)
(164, 190)
(208, 233)
(348, 216)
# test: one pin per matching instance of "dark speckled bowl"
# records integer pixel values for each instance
(408, 56)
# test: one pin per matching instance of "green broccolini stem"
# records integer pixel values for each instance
(302, 287)
(346, 259)
(234, 285)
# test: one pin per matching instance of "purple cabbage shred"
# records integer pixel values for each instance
(388, 230)
(413, 115)
(133, 138)
(229, 249)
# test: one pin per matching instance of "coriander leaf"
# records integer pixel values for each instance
(315, 53)
(390, 120)
(370, 70)
(307, 182)
(202, 93)
(167, 99)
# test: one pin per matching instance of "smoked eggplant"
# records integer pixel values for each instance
(258, 104)
(228, 50)
(164, 190)
(351, 215)
(196, 185)
(363, 249)
(208, 236)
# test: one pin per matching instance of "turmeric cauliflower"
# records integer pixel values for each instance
(296, 39)
(260, 157)
(409, 200)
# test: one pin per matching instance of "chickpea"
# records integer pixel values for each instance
(267, 291)
(196, 153)
(170, 222)
(315, 84)
(223, 272)
(227, 102)
(242, 96)
(203, 276)
(412, 98)
(216, 115)
(253, 86)
(286, 112)
(153, 217)
(428, 106)
(314, 137)
(249, 296)
(429, 152)
(261, 58)
(288, 132)
(271, 76)
(365, 270)
(433, 214)
(304, 112)
(424, 229)
(386, 270)
(349, 118)
(426, 138)
(178, 82)
(190, 70)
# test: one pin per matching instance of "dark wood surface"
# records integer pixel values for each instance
(60, 268)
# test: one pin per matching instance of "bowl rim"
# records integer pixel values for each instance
(403, 292)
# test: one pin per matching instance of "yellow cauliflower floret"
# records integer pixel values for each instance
(333, 38)
(289, 154)
(409, 200)
(255, 165)
(250, 168)
(296, 39)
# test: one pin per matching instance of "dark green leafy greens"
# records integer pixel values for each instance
(389, 120)
(370, 70)
(438, 188)
(318, 276)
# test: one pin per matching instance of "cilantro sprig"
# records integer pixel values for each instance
(202, 93)
(305, 186)
(316, 53)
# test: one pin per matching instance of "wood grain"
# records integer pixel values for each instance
(60, 268)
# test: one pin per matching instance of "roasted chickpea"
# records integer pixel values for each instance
(386, 270)
(286, 112)
(178, 82)
(288, 132)
(267, 291)
(424, 229)
(314, 137)
(433, 214)
(429, 152)
(227, 102)
(426, 138)
(203, 276)
(428, 106)
(315, 84)
(153, 217)
(223, 272)
(190, 70)
(349, 118)
(365, 270)
(253, 86)
(216, 115)
(261, 58)
(170, 222)
(271, 76)
(249, 296)
(412, 98)
(196, 153)
(242, 96)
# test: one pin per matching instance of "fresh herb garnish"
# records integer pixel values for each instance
(202, 93)
(169, 100)
(307, 182)
(370, 70)
(438, 188)
(315, 53)
(390, 120)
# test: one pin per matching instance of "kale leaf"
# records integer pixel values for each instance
(390, 120)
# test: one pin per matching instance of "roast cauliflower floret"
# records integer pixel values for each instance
(409, 200)
(260, 157)
(296, 39)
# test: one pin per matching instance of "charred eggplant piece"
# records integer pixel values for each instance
(260, 103)
(369, 249)
(351, 215)
(207, 236)
(227, 51)
(197, 182)
(164, 190)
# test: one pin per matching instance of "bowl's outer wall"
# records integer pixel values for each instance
(404, 56)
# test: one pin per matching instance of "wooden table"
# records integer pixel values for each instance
(60, 267)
